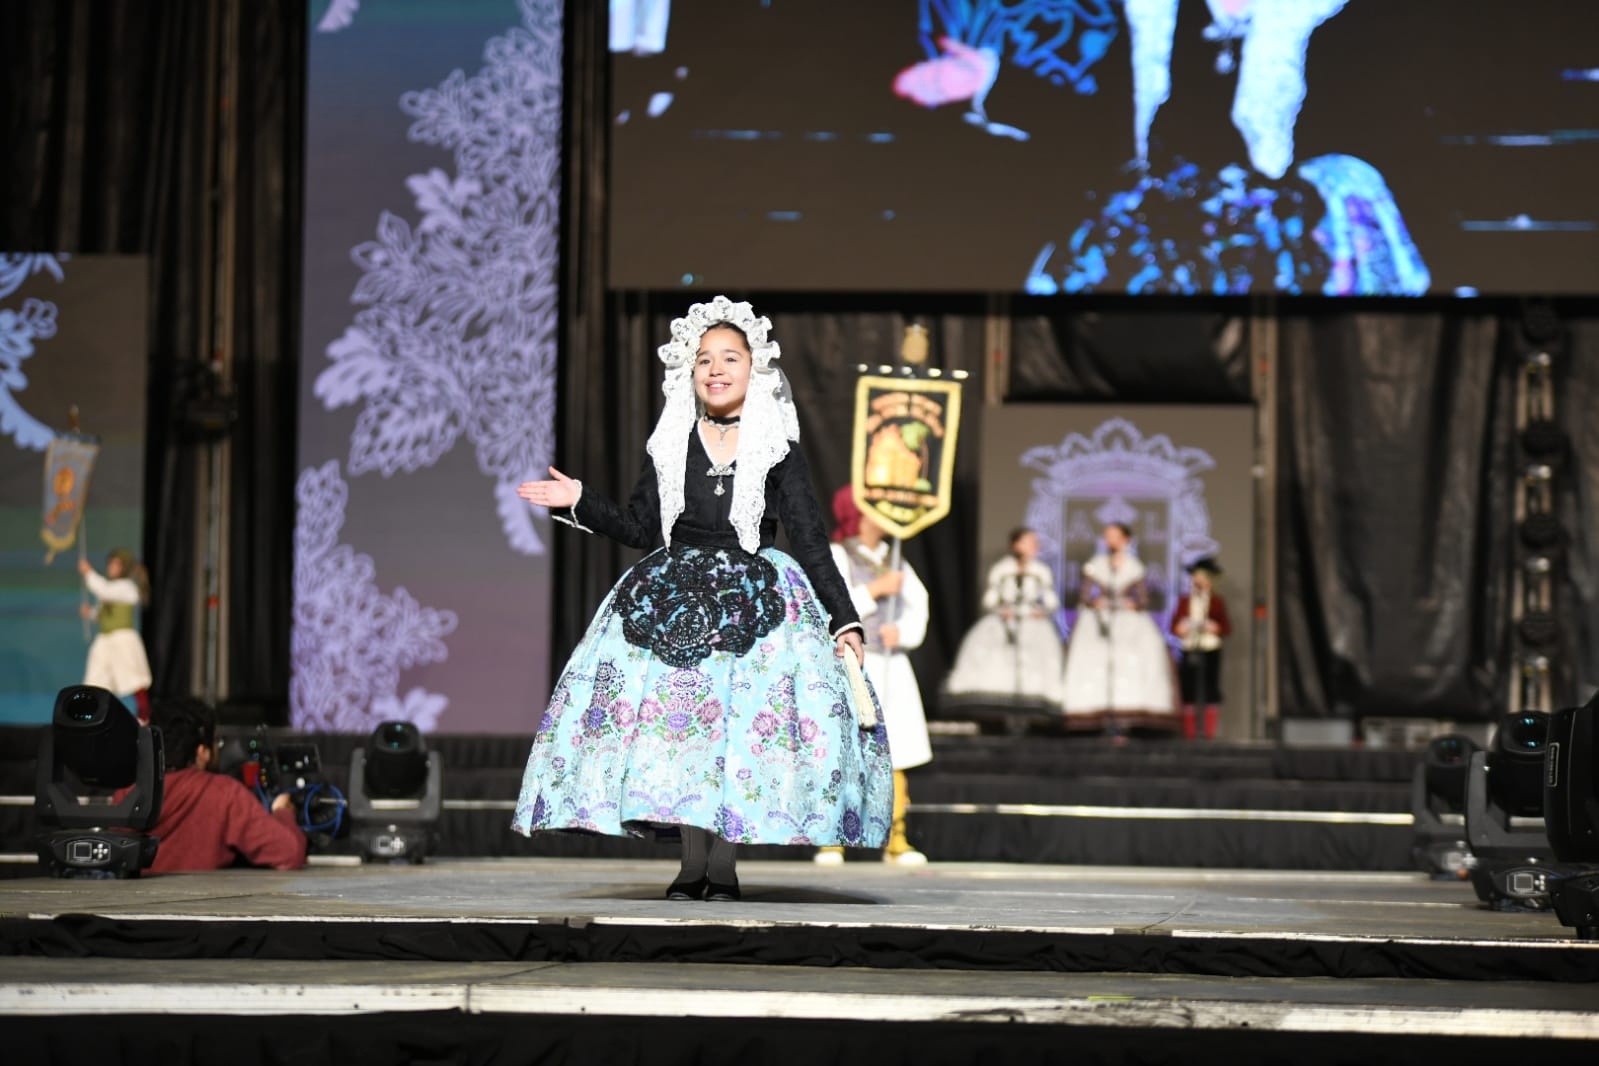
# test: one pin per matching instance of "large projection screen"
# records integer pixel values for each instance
(73, 334)
(1321, 147)
(1179, 476)
(421, 584)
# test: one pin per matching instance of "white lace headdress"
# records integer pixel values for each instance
(767, 424)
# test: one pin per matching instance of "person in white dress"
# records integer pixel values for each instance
(893, 606)
(1012, 656)
(1118, 667)
(117, 661)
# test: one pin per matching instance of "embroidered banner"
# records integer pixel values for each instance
(67, 466)
(903, 463)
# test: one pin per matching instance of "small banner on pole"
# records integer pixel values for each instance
(902, 468)
(67, 466)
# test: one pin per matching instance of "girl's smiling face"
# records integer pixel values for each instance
(722, 371)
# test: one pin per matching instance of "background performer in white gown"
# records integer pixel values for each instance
(1013, 654)
(117, 661)
(861, 553)
(1118, 668)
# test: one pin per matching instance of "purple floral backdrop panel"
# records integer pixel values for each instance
(421, 582)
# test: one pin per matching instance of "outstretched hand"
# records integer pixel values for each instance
(561, 492)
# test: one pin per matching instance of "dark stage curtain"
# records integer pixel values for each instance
(111, 115)
(1577, 585)
(1397, 532)
(269, 178)
(1395, 519)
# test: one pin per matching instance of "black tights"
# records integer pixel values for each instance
(707, 855)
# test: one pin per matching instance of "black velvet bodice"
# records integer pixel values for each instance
(706, 519)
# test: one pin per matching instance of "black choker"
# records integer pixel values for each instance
(721, 420)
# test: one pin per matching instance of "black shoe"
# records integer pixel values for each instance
(687, 890)
(716, 893)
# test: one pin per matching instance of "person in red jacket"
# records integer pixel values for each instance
(210, 821)
(1201, 623)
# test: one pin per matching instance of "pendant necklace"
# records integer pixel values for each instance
(720, 470)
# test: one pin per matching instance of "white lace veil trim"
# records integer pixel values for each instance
(768, 423)
(1132, 571)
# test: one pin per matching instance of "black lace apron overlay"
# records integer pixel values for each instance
(688, 603)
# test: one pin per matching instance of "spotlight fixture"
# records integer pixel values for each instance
(1541, 324)
(1541, 437)
(1504, 816)
(1537, 625)
(1571, 814)
(99, 787)
(1576, 901)
(1438, 807)
(1515, 763)
(1571, 783)
(1539, 528)
(395, 795)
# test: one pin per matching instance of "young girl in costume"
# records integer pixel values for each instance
(861, 553)
(117, 661)
(1012, 656)
(709, 693)
(1118, 668)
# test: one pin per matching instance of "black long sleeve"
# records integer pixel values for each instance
(638, 525)
(705, 520)
(807, 536)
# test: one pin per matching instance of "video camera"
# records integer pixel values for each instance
(272, 768)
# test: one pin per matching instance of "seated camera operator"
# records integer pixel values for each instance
(210, 821)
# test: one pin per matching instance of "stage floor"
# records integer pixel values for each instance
(1317, 906)
(1246, 950)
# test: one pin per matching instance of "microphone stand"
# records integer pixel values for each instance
(1013, 633)
(1108, 629)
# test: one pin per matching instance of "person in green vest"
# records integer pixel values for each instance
(117, 661)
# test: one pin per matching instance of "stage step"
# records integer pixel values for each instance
(34, 987)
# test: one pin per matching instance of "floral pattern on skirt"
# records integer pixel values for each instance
(761, 746)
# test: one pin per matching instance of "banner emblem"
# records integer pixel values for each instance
(902, 466)
(67, 466)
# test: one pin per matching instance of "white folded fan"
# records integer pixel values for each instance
(860, 690)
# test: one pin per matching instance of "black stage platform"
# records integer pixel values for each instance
(1154, 900)
(514, 960)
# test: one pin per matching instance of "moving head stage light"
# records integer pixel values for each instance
(93, 750)
(1438, 807)
(395, 795)
(1571, 814)
(1504, 816)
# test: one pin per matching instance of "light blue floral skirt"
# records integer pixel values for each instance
(706, 693)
